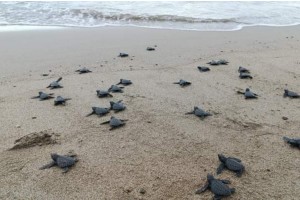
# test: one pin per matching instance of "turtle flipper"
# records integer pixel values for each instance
(59, 79)
(65, 169)
(239, 92)
(49, 165)
(35, 97)
(200, 190)
(109, 95)
(106, 122)
(220, 168)
(176, 83)
(217, 197)
(93, 112)
(189, 113)
(239, 173)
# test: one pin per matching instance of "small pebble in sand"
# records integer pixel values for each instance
(285, 118)
(18, 126)
(33, 118)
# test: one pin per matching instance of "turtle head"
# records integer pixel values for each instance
(247, 89)
(98, 91)
(54, 156)
(210, 177)
(286, 91)
(94, 108)
(40, 93)
(196, 107)
(222, 158)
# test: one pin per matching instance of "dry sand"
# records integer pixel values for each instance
(160, 149)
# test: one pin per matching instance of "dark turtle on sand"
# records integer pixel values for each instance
(213, 62)
(124, 82)
(293, 142)
(248, 94)
(43, 96)
(60, 100)
(219, 62)
(55, 84)
(150, 49)
(122, 55)
(231, 163)
(115, 122)
(290, 94)
(218, 187)
(243, 70)
(115, 88)
(64, 162)
(103, 93)
(183, 83)
(245, 75)
(117, 106)
(99, 111)
(203, 69)
(83, 70)
(199, 112)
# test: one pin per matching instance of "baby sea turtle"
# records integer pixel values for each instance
(203, 69)
(231, 163)
(103, 93)
(245, 75)
(293, 142)
(63, 162)
(43, 96)
(218, 187)
(115, 88)
(243, 70)
(124, 82)
(122, 55)
(99, 111)
(83, 70)
(60, 100)
(248, 94)
(290, 94)
(183, 83)
(199, 112)
(219, 62)
(117, 106)
(150, 49)
(55, 84)
(115, 122)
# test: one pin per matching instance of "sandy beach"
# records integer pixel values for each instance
(160, 149)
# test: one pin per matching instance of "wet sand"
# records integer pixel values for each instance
(160, 150)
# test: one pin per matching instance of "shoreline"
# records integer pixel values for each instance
(160, 150)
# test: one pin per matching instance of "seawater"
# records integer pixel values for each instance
(201, 16)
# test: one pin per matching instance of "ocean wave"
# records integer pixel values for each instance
(88, 13)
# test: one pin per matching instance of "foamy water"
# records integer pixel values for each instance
(170, 15)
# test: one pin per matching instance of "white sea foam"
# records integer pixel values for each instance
(201, 16)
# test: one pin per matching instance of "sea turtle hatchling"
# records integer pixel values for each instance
(231, 163)
(115, 122)
(248, 94)
(293, 142)
(83, 70)
(60, 100)
(245, 76)
(103, 93)
(218, 187)
(183, 83)
(64, 162)
(223, 62)
(213, 62)
(199, 112)
(203, 69)
(115, 88)
(124, 82)
(243, 70)
(122, 55)
(290, 94)
(43, 96)
(117, 106)
(55, 84)
(99, 111)
(150, 49)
